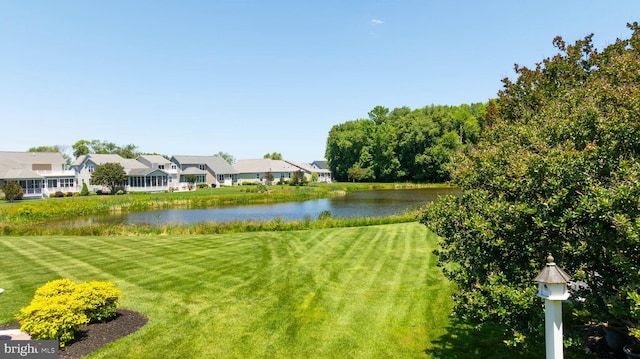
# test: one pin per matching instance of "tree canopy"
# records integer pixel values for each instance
(556, 172)
(84, 147)
(227, 157)
(109, 175)
(403, 144)
(273, 156)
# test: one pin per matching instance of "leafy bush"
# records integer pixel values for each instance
(202, 185)
(12, 191)
(61, 307)
(326, 214)
(85, 190)
(58, 194)
(68, 194)
(100, 299)
(120, 192)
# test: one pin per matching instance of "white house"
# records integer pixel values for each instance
(258, 170)
(140, 177)
(212, 170)
(38, 173)
(324, 175)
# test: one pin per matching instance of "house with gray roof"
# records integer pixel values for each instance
(323, 175)
(140, 177)
(38, 173)
(215, 171)
(259, 170)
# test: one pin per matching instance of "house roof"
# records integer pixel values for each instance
(128, 164)
(308, 168)
(154, 159)
(11, 170)
(193, 171)
(33, 157)
(16, 165)
(215, 163)
(321, 164)
(146, 171)
(264, 165)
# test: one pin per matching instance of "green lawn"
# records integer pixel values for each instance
(360, 292)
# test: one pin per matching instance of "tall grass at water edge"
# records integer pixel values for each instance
(29, 211)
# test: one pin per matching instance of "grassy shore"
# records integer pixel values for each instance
(363, 292)
(37, 217)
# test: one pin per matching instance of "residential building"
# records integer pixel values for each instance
(258, 170)
(324, 175)
(140, 177)
(38, 173)
(212, 170)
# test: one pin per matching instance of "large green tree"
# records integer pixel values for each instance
(110, 175)
(557, 171)
(404, 144)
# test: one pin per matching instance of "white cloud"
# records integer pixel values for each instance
(377, 22)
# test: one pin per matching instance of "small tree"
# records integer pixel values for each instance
(12, 191)
(356, 173)
(85, 190)
(109, 175)
(269, 178)
(298, 179)
(191, 180)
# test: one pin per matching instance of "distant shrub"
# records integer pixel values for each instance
(85, 190)
(98, 191)
(326, 214)
(68, 194)
(120, 192)
(61, 307)
(12, 191)
(202, 185)
(58, 194)
(76, 194)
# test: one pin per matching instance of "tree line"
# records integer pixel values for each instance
(403, 144)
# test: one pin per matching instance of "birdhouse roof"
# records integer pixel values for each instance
(552, 274)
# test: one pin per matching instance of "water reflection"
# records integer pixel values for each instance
(358, 204)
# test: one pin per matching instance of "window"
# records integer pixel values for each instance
(221, 178)
(66, 182)
(90, 168)
(201, 167)
(52, 183)
(161, 167)
(173, 166)
(257, 175)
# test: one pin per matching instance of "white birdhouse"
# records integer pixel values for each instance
(552, 282)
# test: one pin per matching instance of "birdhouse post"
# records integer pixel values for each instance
(552, 287)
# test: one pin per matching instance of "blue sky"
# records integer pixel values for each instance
(253, 77)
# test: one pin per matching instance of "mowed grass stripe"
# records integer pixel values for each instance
(344, 292)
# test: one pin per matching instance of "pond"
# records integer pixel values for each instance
(379, 203)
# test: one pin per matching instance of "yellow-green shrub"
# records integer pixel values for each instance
(61, 307)
(100, 299)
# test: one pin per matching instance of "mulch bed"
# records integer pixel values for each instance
(96, 335)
